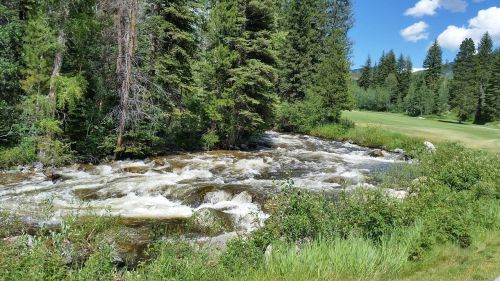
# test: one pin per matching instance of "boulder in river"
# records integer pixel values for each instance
(377, 153)
(399, 151)
(159, 161)
(210, 221)
(215, 197)
(136, 169)
(52, 175)
(38, 166)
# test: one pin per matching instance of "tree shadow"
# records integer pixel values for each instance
(451, 122)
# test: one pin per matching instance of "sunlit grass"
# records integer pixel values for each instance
(433, 129)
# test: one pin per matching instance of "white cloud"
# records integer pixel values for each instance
(486, 21)
(423, 7)
(415, 32)
(429, 7)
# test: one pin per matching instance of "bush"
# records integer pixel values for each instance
(298, 214)
(463, 169)
(241, 255)
(368, 213)
(24, 153)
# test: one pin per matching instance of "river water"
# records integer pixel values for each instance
(233, 183)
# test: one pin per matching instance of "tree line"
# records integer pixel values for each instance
(87, 79)
(470, 90)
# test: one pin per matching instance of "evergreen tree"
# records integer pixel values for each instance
(484, 62)
(433, 65)
(241, 77)
(404, 72)
(163, 101)
(491, 108)
(443, 97)
(302, 48)
(413, 101)
(365, 80)
(464, 83)
(12, 27)
(332, 80)
(387, 65)
(391, 85)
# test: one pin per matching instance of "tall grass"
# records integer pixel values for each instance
(354, 258)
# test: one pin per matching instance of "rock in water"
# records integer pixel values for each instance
(215, 197)
(38, 166)
(377, 153)
(399, 151)
(210, 221)
(52, 175)
(136, 169)
(243, 197)
(160, 161)
(429, 146)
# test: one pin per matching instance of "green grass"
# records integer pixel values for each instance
(354, 258)
(448, 262)
(437, 130)
(371, 136)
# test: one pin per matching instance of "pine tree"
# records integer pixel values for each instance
(241, 77)
(391, 85)
(404, 71)
(413, 101)
(464, 83)
(387, 65)
(332, 80)
(433, 65)
(302, 48)
(484, 62)
(443, 96)
(491, 109)
(12, 28)
(365, 80)
(163, 74)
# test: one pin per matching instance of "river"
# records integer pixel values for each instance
(235, 184)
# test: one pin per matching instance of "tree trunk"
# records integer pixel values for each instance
(126, 21)
(56, 70)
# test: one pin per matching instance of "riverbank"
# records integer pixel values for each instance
(446, 228)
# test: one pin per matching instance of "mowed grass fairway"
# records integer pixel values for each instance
(473, 136)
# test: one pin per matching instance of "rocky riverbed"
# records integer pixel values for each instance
(216, 192)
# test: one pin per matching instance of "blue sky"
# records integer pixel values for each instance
(380, 25)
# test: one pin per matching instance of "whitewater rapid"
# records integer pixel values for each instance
(173, 187)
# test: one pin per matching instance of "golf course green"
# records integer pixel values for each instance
(473, 136)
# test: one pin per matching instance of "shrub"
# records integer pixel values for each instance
(368, 213)
(241, 255)
(298, 214)
(24, 153)
(463, 169)
(209, 140)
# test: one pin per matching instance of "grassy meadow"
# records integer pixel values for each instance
(432, 128)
